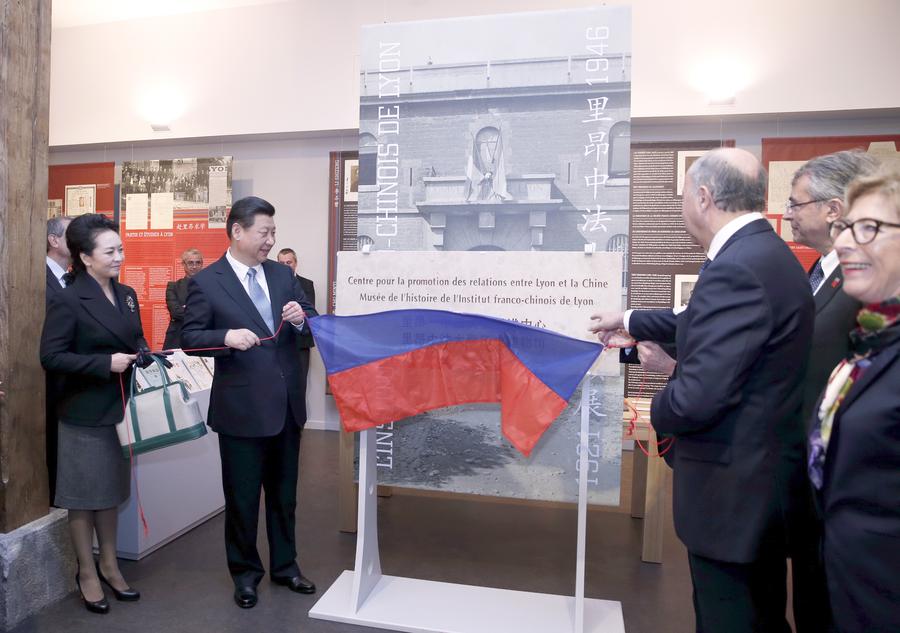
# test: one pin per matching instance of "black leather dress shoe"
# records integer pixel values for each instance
(127, 595)
(245, 597)
(98, 606)
(297, 583)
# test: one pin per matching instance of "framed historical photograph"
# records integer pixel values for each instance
(54, 208)
(351, 180)
(684, 287)
(81, 199)
(685, 160)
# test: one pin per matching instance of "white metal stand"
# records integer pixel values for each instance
(365, 597)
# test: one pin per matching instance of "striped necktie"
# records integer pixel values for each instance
(816, 276)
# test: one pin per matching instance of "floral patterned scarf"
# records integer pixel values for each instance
(878, 328)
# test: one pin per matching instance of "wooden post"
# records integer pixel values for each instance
(24, 124)
(638, 481)
(655, 503)
(347, 501)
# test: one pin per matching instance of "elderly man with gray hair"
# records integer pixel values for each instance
(58, 262)
(817, 200)
(733, 402)
(176, 296)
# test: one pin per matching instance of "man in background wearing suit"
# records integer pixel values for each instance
(176, 296)
(304, 341)
(257, 402)
(733, 403)
(58, 262)
(58, 257)
(817, 200)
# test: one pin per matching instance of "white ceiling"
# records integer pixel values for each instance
(67, 13)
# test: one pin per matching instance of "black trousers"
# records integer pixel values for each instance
(740, 597)
(251, 465)
(812, 612)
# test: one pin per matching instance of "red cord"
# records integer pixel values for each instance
(662, 446)
(214, 349)
(137, 489)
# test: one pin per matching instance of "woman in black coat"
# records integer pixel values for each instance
(854, 460)
(91, 336)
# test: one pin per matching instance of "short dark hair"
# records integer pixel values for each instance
(287, 251)
(56, 226)
(244, 212)
(81, 236)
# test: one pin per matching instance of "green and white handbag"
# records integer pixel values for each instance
(159, 416)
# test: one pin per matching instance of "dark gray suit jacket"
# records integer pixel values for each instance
(835, 317)
(252, 389)
(305, 340)
(859, 497)
(176, 297)
(734, 401)
(53, 286)
(81, 332)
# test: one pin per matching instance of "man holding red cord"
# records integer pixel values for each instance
(257, 402)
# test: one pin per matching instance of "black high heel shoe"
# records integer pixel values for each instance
(99, 606)
(128, 595)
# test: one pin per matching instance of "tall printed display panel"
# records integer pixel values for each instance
(512, 143)
(168, 206)
(507, 134)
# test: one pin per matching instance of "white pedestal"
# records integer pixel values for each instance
(366, 597)
(180, 488)
(419, 606)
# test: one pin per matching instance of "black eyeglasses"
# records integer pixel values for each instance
(790, 206)
(864, 230)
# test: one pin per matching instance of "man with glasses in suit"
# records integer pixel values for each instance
(817, 201)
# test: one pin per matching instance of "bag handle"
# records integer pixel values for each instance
(167, 402)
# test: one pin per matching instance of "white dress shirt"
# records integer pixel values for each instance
(57, 271)
(241, 271)
(829, 263)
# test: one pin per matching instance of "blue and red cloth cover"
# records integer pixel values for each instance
(391, 365)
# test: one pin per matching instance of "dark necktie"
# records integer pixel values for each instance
(816, 276)
(259, 299)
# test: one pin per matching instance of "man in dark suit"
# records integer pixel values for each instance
(254, 307)
(58, 257)
(176, 296)
(58, 262)
(734, 399)
(817, 200)
(305, 341)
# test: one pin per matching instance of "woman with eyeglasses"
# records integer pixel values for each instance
(854, 449)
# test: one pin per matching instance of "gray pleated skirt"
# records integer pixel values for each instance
(91, 473)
